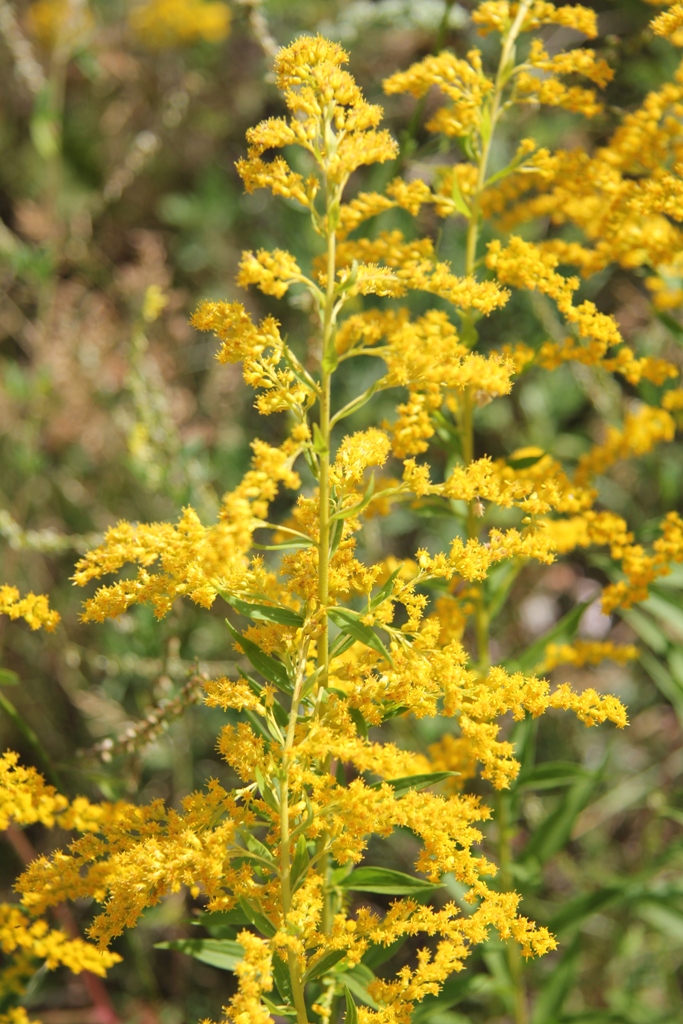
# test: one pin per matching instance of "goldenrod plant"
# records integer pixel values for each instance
(339, 645)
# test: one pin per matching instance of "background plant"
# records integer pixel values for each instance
(636, 903)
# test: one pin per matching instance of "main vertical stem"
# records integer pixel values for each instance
(328, 362)
(327, 365)
(285, 853)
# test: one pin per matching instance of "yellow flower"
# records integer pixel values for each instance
(165, 23)
(34, 608)
(60, 24)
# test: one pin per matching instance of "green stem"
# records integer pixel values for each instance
(285, 853)
(328, 364)
(502, 77)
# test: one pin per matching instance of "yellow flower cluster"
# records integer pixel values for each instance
(59, 24)
(586, 652)
(165, 23)
(35, 937)
(34, 608)
(462, 81)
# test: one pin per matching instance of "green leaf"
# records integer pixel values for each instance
(8, 677)
(458, 198)
(359, 722)
(324, 965)
(672, 324)
(222, 923)
(563, 631)
(256, 846)
(45, 126)
(31, 737)
(386, 590)
(222, 953)
(664, 918)
(498, 584)
(525, 461)
(284, 545)
(572, 913)
(282, 978)
(552, 834)
(319, 443)
(550, 774)
(336, 535)
(387, 881)
(277, 710)
(259, 920)
(357, 980)
(351, 1015)
(342, 644)
(666, 608)
(408, 782)
(278, 1010)
(267, 792)
(263, 612)
(551, 997)
(352, 510)
(378, 955)
(453, 992)
(349, 623)
(300, 861)
(665, 681)
(272, 670)
(648, 631)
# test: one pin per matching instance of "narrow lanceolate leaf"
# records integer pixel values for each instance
(351, 1016)
(263, 612)
(551, 998)
(408, 782)
(664, 680)
(222, 953)
(277, 1009)
(574, 912)
(563, 631)
(8, 677)
(552, 834)
(386, 590)
(350, 624)
(524, 461)
(259, 920)
(550, 774)
(300, 861)
(256, 846)
(272, 670)
(283, 981)
(357, 981)
(324, 965)
(387, 881)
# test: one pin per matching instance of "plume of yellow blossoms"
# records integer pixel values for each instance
(335, 645)
(27, 940)
(33, 609)
(165, 23)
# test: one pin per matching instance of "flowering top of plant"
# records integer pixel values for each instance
(336, 644)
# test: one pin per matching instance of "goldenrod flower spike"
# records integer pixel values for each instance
(167, 23)
(33, 609)
(335, 645)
